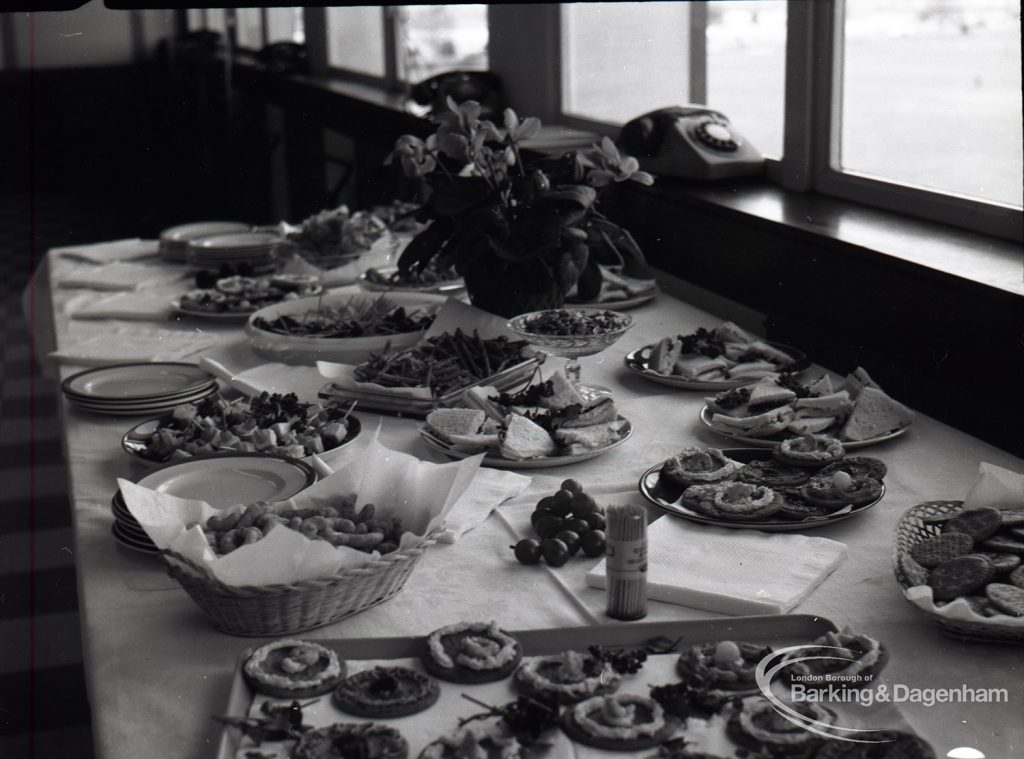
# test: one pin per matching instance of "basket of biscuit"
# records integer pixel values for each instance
(960, 562)
(346, 543)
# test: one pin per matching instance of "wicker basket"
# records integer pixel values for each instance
(910, 531)
(274, 610)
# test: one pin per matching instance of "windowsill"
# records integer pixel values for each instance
(937, 249)
(929, 248)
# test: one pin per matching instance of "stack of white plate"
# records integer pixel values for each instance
(174, 241)
(255, 249)
(221, 479)
(138, 389)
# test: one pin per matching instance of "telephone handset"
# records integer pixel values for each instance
(689, 141)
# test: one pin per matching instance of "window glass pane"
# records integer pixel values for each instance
(624, 59)
(746, 68)
(285, 25)
(215, 20)
(355, 39)
(249, 28)
(931, 95)
(436, 38)
(196, 19)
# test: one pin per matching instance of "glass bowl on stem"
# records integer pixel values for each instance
(571, 333)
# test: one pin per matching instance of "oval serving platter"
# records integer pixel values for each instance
(666, 497)
(637, 362)
(499, 462)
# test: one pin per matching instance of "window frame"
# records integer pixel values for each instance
(812, 122)
(811, 111)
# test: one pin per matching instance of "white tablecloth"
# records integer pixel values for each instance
(157, 672)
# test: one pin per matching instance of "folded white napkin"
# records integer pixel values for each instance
(489, 489)
(120, 275)
(108, 252)
(249, 374)
(122, 346)
(731, 571)
(126, 305)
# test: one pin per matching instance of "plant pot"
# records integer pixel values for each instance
(508, 288)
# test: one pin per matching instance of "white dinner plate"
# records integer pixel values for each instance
(128, 541)
(232, 242)
(137, 382)
(227, 479)
(147, 409)
(499, 462)
(185, 232)
(769, 442)
(637, 361)
(136, 440)
(445, 286)
(618, 305)
(667, 496)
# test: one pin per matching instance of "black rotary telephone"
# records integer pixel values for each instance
(690, 141)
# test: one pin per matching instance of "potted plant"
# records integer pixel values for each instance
(521, 232)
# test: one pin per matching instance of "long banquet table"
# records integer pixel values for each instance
(157, 672)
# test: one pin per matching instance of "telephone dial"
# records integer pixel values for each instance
(691, 142)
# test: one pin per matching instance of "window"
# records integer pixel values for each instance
(746, 68)
(216, 21)
(355, 40)
(285, 25)
(249, 28)
(910, 105)
(196, 19)
(436, 38)
(951, 125)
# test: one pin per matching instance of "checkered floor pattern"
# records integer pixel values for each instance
(44, 712)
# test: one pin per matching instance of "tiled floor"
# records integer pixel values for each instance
(44, 712)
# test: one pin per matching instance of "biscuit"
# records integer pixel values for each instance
(931, 552)
(978, 523)
(371, 740)
(914, 572)
(1012, 517)
(772, 474)
(794, 508)
(827, 492)
(1003, 544)
(586, 722)
(1009, 599)
(858, 466)
(385, 692)
(290, 668)
(1003, 563)
(1017, 577)
(471, 652)
(959, 576)
(566, 678)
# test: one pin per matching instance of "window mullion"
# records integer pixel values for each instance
(314, 22)
(698, 84)
(799, 109)
(392, 20)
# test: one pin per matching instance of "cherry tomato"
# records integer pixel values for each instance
(545, 503)
(527, 551)
(592, 543)
(583, 504)
(562, 503)
(577, 525)
(556, 553)
(548, 525)
(595, 520)
(573, 486)
(571, 540)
